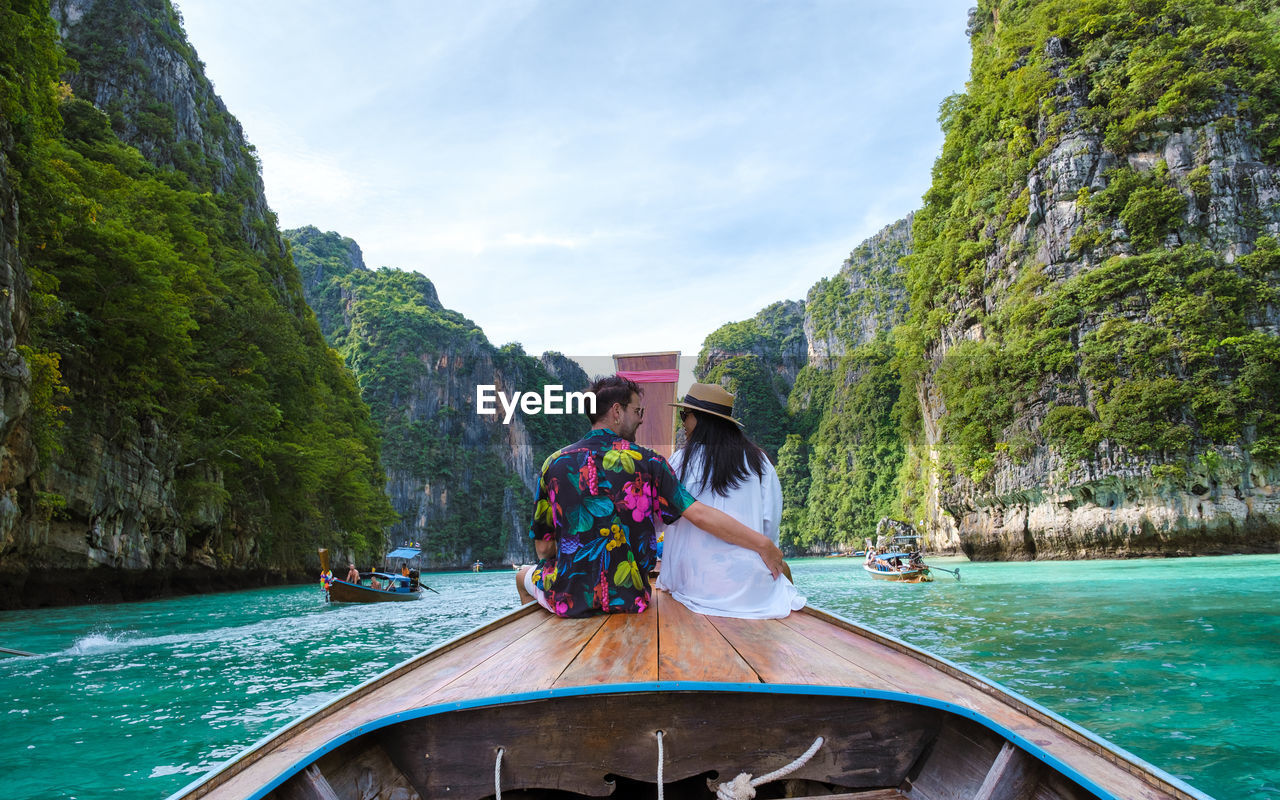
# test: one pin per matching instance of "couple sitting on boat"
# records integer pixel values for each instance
(600, 498)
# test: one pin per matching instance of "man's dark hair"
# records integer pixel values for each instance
(728, 456)
(611, 389)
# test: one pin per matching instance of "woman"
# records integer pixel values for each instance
(721, 467)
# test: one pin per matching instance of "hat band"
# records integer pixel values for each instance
(707, 405)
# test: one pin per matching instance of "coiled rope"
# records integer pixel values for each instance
(743, 787)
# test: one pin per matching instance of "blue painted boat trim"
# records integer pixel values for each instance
(1058, 718)
(711, 686)
(689, 686)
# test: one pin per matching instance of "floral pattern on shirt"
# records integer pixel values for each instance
(599, 500)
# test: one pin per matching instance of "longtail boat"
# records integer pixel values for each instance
(374, 586)
(667, 703)
(896, 567)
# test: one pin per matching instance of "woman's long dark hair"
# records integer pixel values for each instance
(728, 456)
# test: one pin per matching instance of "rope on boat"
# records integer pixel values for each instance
(743, 787)
(659, 765)
(497, 775)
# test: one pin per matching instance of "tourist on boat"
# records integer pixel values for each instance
(725, 470)
(598, 499)
(353, 574)
(404, 570)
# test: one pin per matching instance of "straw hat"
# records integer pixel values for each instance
(709, 398)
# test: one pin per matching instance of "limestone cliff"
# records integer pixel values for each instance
(1078, 332)
(865, 299)
(463, 482)
(162, 375)
(1094, 385)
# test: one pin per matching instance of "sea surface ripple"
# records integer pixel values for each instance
(1177, 661)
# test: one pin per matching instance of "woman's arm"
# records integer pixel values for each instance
(722, 526)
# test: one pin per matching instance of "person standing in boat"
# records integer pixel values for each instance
(598, 500)
(353, 574)
(727, 471)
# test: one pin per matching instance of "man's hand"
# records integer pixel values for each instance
(722, 526)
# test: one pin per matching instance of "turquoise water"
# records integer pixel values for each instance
(1177, 661)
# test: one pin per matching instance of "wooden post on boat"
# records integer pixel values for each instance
(658, 375)
(324, 560)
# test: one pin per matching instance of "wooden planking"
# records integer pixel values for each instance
(309, 785)
(416, 684)
(915, 675)
(624, 650)
(870, 794)
(691, 649)
(1013, 776)
(546, 745)
(357, 770)
(530, 650)
(780, 654)
(532, 662)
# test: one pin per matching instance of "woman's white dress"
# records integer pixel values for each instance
(711, 576)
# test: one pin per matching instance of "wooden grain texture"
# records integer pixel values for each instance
(572, 743)
(913, 674)
(691, 649)
(365, 772)
(531, 650)
(532, 662)
(1013, 776)
(779, 653)
(623, 650)
(405, 687)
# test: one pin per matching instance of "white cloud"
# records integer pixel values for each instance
(696, 161)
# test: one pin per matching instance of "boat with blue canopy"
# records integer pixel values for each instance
(375, 586)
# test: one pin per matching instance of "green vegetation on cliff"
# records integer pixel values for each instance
(417, 364)
(163, 325)
(1140, 317)
(1154, 348)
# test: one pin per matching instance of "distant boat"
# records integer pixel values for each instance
(374, 586)
(902, 562)
(544, 708)
(477, 567)
(897, 566)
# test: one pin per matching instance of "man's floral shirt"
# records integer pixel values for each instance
(599, 500)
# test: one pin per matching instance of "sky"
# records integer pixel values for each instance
(592, 176)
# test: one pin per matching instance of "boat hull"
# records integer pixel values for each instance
(893, 743)
(343, 592)
(921, 575)
(575, 705)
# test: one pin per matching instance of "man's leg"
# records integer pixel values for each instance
(525, 597)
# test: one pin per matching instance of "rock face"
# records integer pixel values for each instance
(135, 497)
(866, 298)
(1083, 311)
(463, 482)
(137, 65)
(1204, 190)
(17, 458)
(775, 336)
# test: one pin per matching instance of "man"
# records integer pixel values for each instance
(353, 574)
(598, 501)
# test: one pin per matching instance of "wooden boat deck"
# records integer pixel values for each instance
(531, 650)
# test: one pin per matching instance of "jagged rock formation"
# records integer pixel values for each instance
(156, 401)
(462, 482)
(865, 299)
(1115, 447)
(1089, 353)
